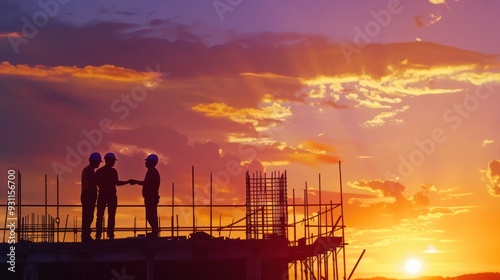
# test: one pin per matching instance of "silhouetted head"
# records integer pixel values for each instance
(110, 159)
(151, 160)
(95, 159)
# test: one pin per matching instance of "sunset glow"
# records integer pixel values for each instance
(405, 94)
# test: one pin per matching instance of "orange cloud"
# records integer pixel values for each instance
(104, 72)
(437, 2)
(387, 118)
(436, 213)
(10, 35)
(406, 71)
(487, 142)
(258, 117)
(318, 146)
(422, 197)
(310, 153)
(492, 178)
(383, 188)
(390, 81)
(274, 153)
(312, 159)
(265, 75)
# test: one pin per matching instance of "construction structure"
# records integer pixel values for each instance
(277, 245)
(266, 206)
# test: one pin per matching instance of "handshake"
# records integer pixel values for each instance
(132, 182)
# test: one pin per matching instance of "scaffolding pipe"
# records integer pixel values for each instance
(319, 267)
(173, 202)
(342, 214)
(58, 220)
(211, 205)
(319, 212)
(294, 233)
(192, 197)
(336, 265)
(306, 198)
(356, 265)
(306, 223)
(19, 202)
(177, 223)
(46, 195)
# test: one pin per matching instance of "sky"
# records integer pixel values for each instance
(403, 93)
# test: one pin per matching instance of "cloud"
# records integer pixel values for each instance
(422, 197)
(436, 213)
(437, 2)
(383, 188)
(104, 72)
(487, 142)
(385, 118)
(428, 20)
(287, 55)
(308, 153)
(391, 218)
(255, 116)
(10, 35)
(492, 178)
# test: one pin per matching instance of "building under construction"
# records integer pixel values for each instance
(274, 243)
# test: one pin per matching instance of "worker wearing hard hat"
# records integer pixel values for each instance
(89, 195)
(150, 192)
(107, 180)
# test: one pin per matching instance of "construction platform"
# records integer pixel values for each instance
(195, 258)
(198, 257)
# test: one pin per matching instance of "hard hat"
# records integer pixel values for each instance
(152, 157)
(95, 156)
(110, 155)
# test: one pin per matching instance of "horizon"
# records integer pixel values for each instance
(403, 93)
(484, 276)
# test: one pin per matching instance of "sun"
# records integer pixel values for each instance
(413, 266)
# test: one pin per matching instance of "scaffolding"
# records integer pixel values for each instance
(315, 240)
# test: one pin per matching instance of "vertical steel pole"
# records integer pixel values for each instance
(173, 202)
(58, 220)
(342, 213)
(192, 197)
(45, 195)
(294, 233)
(19, 204)
(211, 205)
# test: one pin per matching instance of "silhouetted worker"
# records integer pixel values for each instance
(89, 195)
(150, 188)
(107, 180)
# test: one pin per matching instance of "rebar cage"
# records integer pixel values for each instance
(266, 205)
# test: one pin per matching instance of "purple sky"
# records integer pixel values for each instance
(464, 24)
